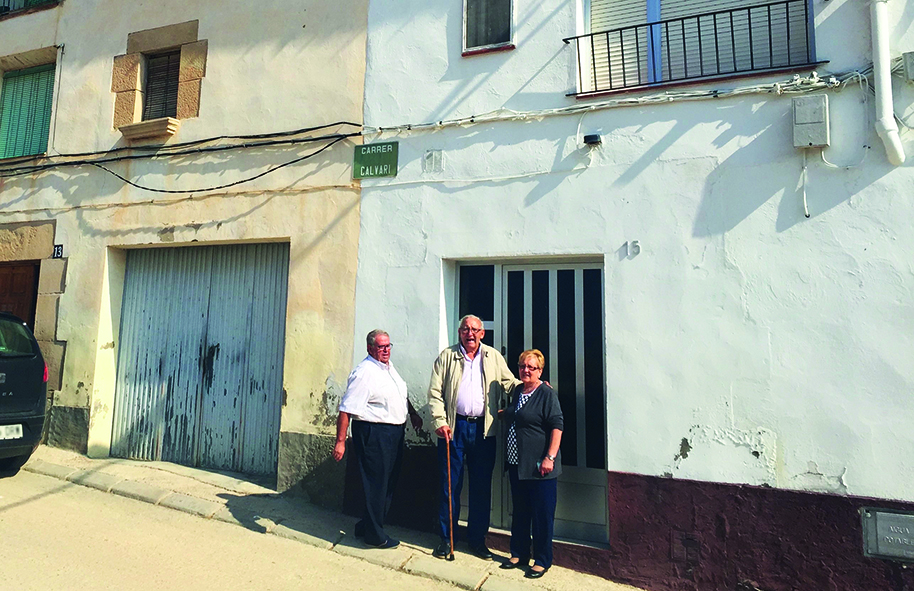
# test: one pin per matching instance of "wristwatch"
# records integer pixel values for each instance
(550, 458)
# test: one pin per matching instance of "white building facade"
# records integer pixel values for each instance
(726, 317)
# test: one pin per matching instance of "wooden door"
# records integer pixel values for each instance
(19, 290)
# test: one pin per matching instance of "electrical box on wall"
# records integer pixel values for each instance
(810, 122)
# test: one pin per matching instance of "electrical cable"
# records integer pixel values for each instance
(20, 171)
(796, 85)
(167, 149)
(864, 84)
(805, 177)
(164, 202)
(225, 186)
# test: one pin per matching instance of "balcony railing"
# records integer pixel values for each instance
(8, 6)
(748, 39)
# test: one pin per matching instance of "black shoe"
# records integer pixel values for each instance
(359, 529)
(481, 551)
(386, 544)
(442, 550)
(535, 574)
(510, 565)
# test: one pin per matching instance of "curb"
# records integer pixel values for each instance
(403, 558)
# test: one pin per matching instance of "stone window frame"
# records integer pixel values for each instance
(129, 78)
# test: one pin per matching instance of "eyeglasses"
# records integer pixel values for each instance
(384, 347)
(469, 329)
(529, 367)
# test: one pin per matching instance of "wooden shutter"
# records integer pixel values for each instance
(162, 72)
(25, 111)
(488, 22)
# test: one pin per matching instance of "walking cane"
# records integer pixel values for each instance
(450, 500)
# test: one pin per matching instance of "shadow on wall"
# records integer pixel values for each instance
(415, 502)
(99, 191)
(477, 71)
(307, 468)
(769, 167)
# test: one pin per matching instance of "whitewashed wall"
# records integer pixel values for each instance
(742, 326)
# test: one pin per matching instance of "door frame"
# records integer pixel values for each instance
(501, 496)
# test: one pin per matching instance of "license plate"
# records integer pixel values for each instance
(10, 431)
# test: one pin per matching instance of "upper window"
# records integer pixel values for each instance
(487, 24)
(8, 6)
(162, 73)
(25, 111)
(157, 83)
(644, 42)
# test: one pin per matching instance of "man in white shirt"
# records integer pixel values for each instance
(468, 386)
(376, 405)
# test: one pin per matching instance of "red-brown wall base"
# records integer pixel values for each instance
(680, 535)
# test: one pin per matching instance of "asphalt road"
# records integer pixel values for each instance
(57, 535)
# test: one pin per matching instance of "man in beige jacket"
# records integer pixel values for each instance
(468, 386)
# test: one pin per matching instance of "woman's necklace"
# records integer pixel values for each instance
(535, 386)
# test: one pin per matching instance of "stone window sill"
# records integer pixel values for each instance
(154, 128)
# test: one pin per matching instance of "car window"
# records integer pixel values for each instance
(14, 339)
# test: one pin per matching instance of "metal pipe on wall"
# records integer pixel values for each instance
(885, 110)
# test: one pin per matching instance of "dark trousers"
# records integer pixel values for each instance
(379, 449)
(534, 504)
(469, 446)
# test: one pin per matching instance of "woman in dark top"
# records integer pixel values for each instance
(535, 423)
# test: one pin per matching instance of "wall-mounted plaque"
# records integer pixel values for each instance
(888, 534)
(375, 160)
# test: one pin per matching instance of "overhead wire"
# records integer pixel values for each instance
(20, 171)
(166, 148)
(218, 187)
(796, 85)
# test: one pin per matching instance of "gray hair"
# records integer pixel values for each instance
(468, 317)
(372, 337)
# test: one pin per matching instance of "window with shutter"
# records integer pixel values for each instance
(162, 74)
(487, 23)
(25, 111)
(641, 42)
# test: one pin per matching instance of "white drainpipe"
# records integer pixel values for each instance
(885, 110)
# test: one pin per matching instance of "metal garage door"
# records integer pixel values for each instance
(200, 360)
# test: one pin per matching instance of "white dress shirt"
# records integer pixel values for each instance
(375, 393)
(471, 401)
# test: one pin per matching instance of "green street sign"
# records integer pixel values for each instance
(375, 160)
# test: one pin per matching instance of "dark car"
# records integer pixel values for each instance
(23, 392)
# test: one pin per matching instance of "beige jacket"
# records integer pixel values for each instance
(446, 374)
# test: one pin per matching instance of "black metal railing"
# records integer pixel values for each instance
(747, 39)
(8, 6)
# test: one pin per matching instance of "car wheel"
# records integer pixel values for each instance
(10, 466)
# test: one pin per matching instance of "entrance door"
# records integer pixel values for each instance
(200, 357)
(19, 290)
(557, 309)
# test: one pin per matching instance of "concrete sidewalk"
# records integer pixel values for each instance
(247, 503)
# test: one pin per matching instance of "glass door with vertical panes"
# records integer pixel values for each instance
(557, 309)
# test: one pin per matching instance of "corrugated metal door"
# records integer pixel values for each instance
(200, 356)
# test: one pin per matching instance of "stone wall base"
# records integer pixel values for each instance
(306, 467)
(68, 428)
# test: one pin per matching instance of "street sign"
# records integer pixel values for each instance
(375, 160)
(888, 534)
